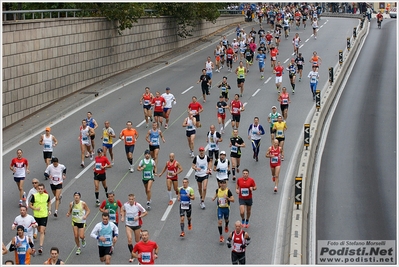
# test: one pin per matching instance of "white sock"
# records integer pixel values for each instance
(170, 195)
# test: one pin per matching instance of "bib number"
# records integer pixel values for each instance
(234, 149)
(145, 256)
(185, 205)
(129, 139)
(147, 174)
(274, 159)
(244, 192)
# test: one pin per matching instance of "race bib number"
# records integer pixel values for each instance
(274, 159)
(274, 58)
(244, 192)
(75, 213)
(213, 146)
(145, 256)
(154, 141)
(202, 167)
(235, 110)
(223, 89)
(98, 166)
(222, 201)
(237, 247)
(280, 133)
(56, 179)
(221, 110)
(185, 205)
(222, 171)
(234, 149)
(84, 138)
(129, 139)
(146, 102)
(108, 239)
(193, 112)
(147, 174)
(21, 249)
(189, 127)
(130, 218)
(285, 101)
(112, 217)
(105, 140)
(313, 80)
(47, 145)
(241, 76)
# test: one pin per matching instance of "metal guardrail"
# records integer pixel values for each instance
(68, 13)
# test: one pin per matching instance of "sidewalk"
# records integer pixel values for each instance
(35, 123)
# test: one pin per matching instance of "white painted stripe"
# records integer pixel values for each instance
(141, 123)
(307, 40)
(268, 80)
(227, 123)
(301, 46)
(286, 60)
(321, 26)
(257, 91)
(188, 89)
(245, 104)
(167, 211)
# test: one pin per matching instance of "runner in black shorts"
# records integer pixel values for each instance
(236, 142)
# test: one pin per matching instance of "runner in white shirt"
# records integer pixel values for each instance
(26, 220)
(170, 99)
(56, 173)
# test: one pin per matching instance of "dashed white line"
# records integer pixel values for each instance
(301, 46)
(167, 211)
(268, 80)
(141, 123)
(257, 91)
(188, 89)
(286, 60)
(307, 40)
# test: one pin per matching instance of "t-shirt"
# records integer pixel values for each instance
(194, 107)
(112, 209)
(19, 165)
(100, 161)
(204, 80)
(130, 136)
(158, 103)
(243, 187)
(146, 250)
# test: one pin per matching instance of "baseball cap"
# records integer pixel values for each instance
(273, 107)
(201, 148)
(223, 152)
(100, 150)
(48, 129)
(167, 88)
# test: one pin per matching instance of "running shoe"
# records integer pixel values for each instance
(91, 156)
(81, 165)
(192, 154)
(182, 234)
(240, 95)
(146, 126)
(131, 169)
(275, 189)
(262, 77)
(131, 259)
(234, 178)
(20, 202)
(24, 197)
(83, 243)
(246, 225)
(226, 229)
(256, 158)
(190, 227)
(78, 251)
(282, 158)
(202, 205)
(170, 202)
(166, 126)
(151, 118)
(97, 202)
(112, 163)
(221, 239)
(299, 79)
(87, 155)
(56, 213)
(40, 250)
(148, 205)
(238, 170)
(111, 251)
(293, 92)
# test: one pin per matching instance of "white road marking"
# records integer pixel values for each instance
(188, 89)
(245, 104)
(268, 80)
(307, 40)
(141, 123)
(286, 60)
(257, 91)
(167, 211)
(301, 46)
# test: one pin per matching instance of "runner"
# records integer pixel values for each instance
(149, 169)
(240, 72)
(235, 46)
(236, 143)
(101, 163)
(209, 66)
(195, 108)
(205, 84)
(173, 169)
(275, 152)
(304, 17)
(255, 131)
(224, 197)
(221, 107)
(223, 49)
(314, 79)
(152, 138)
(132, 214)
(269, 39)
(113, 207)
(261, 57)
(54, 260)
(158, 102)
(146, 251)
(91, 122)
(249, 57)
(23, 247)
(41, 205)
(225, 87)
(300, 61)
(297, 17)
(244, 188)
(284, 99)
(229, 58)
(315, 26)
(315, 60)
(222, 168)
(20, 167)
(286, 26)
(186, 194)
(103, 232)
(213, 138)
(242, 45)
(48, 141)
(33, 190)
(217, 52)
(190, 123)
(278, 70)
(108, 134)
(85, 134)
(272, 118)
(236, 107)
(146, 101)
(170, 99)
(56, 173)
(130, 135)
(280, 127)
(240, 240)
(273, 56)
(296, 41)
(202, 165)
(27, 221)
(277, 34)
(292, 74)
(79, 211)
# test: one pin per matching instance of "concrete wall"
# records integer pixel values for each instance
(44, 60)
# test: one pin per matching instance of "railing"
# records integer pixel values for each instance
(11, 15)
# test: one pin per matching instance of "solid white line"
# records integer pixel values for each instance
(167, 211)
(257, 91)
(286, 60)
(185, 91)
(141, 123)
(268, 80)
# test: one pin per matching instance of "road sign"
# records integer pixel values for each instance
(306, 135)
(341, 57)
(298, 191)
(354, 32)
(348, 43)
(317, 100)
(331, 74)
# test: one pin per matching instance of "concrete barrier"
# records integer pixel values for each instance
(299, 221)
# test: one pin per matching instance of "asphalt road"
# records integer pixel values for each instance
(201, 245)
(358, 179)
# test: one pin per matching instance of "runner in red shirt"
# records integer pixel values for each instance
(244, 187)
(101, 163)
(236, 107)
(269, 38)
(172, 168)
(274, 153)
(20, 167)
(158, 102)
(278, 70)
(146, 251)
(273, 56)
(195, 108)
(230, 56)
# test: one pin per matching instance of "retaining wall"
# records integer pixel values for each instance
(44, 60)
